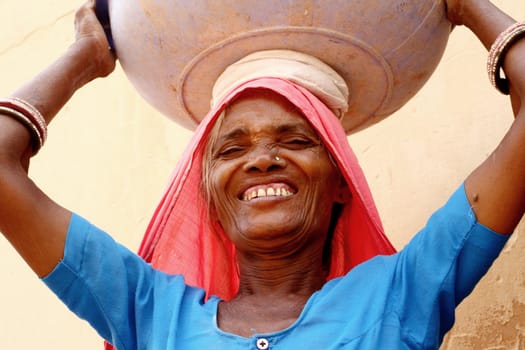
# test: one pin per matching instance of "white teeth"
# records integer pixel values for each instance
(269, 192)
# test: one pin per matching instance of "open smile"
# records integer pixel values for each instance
(268, 190)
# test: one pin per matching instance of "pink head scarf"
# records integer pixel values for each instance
(181, 240)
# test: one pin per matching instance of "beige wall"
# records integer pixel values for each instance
(109, 156)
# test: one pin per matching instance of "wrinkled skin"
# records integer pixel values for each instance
(265, 143)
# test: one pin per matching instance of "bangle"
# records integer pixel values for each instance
(33, 114)
(28, 116)
(497, 53)
(36, 139)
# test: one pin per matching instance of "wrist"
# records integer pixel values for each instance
(469, 12)
(88, 61)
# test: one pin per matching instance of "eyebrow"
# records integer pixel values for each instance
(295, 127)
(236, 133)
(283, 128)
(280, 129)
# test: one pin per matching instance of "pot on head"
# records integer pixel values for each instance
(172, 51)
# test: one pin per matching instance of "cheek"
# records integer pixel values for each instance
(324, 182)
(221, 199)
(318, 168)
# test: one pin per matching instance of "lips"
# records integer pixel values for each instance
(267, 191)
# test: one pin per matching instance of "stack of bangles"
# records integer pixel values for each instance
(497, 55)
(28, 116)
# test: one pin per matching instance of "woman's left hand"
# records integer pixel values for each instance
(496, 189)
(457, 9)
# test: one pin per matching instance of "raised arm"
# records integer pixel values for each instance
(496, 189)
(34, 224)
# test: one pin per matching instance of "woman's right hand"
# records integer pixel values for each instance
(88, 58)
(34, 224)
(92, 42)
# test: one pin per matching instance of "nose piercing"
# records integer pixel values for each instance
(277, 158)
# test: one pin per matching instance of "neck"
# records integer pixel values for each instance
(272, 292)
(276, 276)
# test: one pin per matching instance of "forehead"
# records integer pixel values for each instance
(263, 110)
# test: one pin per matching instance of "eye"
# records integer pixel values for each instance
(229, 151)
(298, 142)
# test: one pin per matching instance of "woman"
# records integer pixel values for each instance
(283, 298)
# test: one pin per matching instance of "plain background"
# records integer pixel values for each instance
(109, 156)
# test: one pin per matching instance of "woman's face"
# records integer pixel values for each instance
(272, 183)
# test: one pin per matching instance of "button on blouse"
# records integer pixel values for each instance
(263, 344)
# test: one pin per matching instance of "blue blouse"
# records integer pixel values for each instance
(403, 301)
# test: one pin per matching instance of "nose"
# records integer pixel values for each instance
(264, 159)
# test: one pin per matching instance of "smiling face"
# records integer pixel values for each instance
(271, 181)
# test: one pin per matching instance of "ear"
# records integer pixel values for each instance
(343, 194)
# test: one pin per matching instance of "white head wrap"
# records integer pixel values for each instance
(299, 68)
